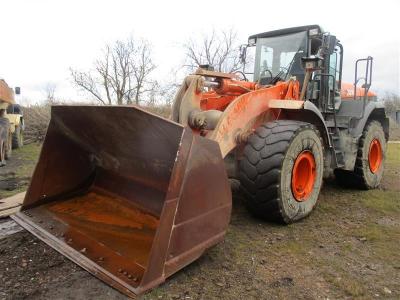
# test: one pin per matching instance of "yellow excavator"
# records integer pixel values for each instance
(133, 197)
(11, 122)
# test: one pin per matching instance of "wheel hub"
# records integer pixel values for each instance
(375, 155)
(303, 176)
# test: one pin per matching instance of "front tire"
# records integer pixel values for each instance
(281, 170)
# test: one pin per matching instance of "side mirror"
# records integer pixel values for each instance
(17, 90)
(329, 43)
(332, 44)
(243, 50)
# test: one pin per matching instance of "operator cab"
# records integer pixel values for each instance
(277, 56)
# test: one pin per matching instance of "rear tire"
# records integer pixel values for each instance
(2, 152)
(9, 145)
(270, 162)
(17, 138)
(369, 166)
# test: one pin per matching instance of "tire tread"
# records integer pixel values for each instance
(264, 155)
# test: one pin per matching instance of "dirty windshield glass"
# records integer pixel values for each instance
(276, 55)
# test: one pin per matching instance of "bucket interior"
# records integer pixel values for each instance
(122, 224)
(101, 182)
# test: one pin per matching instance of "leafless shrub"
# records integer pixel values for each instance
(160, 110)
(36, 119)
(392, 102)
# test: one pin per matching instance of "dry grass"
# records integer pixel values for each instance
(37, 119)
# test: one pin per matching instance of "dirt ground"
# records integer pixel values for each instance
(348, 248)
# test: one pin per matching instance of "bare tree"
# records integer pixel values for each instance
(141, 71)
(218, 49)
(49, 91)
(121, 75)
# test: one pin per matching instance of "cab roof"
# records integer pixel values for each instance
(286, 31)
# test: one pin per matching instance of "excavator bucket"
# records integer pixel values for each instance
(129, 196)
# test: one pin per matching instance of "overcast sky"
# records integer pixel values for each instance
(42, 39)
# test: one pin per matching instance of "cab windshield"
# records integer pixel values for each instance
(280, 56)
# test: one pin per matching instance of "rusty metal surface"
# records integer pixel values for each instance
(242, 113)
(129, 196)
(6, 93)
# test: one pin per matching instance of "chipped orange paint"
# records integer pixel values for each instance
(212, 100)
(244, 105)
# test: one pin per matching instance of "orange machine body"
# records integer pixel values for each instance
(347, 92)
(244, 106)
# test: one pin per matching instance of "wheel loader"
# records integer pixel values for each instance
(133, 198)
(11, 122)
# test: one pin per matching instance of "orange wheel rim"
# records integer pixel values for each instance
(303, 176)
(375, 155)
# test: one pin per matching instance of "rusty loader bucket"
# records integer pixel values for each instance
(128, 196)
